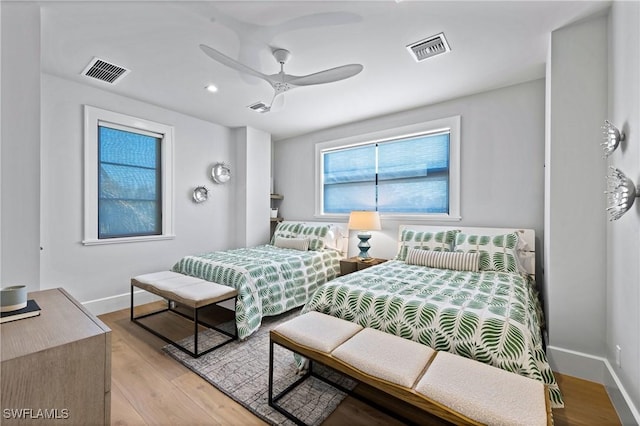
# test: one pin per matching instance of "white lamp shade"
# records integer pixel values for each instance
(364, 221)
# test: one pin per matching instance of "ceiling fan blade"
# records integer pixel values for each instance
(232, 63)
(326, 76)
(277, 104)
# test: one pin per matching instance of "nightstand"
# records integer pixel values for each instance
(354, 264)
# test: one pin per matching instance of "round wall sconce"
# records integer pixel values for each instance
(620, 195)
(200, 194)
(221, 173)
(611, 138)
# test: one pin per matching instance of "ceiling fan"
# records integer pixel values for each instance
(282, 82)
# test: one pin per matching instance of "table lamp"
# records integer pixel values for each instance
(364, 221)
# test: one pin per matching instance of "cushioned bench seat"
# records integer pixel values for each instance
(483, 392)
(457, 389)
(385, 356)
(191, 292)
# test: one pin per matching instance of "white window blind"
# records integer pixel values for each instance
(400, 176)
(129, 183)
(411, 172)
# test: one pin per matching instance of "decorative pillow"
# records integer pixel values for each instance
(332, 238)
(425, 240)
(444, 259)
(522, 250)
(497, 252)
(316, 235)
(301, 244)
(286, 230)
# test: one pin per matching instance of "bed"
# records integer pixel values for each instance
(275, 277)
(483, 305)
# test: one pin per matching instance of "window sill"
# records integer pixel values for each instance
(397, 217)
(96, 242)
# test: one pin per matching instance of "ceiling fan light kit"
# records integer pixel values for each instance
(282, 82)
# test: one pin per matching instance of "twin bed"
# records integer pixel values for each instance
(271, 278)
(470, 291)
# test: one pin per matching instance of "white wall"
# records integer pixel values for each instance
(623, 235)
(41, 178)
(0, 146)
(100, 274)
(253, 175)
(575, 218)
(502, 161)
(20, 133)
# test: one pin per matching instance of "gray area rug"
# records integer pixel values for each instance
(241, 371)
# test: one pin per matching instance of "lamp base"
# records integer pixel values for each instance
(364, 246)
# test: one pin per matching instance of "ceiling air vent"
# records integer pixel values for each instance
(104, 71)
(429, 47)
(260, 107)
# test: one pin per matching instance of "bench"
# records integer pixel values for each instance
(190, 292)
(457, 389)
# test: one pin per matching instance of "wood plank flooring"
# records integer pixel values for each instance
(149, 387)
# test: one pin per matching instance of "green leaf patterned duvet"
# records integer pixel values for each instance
(269, 280)
(493, 317)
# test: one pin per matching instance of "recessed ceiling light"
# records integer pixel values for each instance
(211, 88)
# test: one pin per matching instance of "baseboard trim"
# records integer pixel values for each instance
(599, 370)
(118, 302)
(627, 411)
(577, 364)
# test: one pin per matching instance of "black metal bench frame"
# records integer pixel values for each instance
(196, 353)
(273, 399)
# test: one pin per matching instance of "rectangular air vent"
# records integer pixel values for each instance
(104, 71)
(260, 107)
(429, 47)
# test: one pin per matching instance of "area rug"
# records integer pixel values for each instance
(241, 371)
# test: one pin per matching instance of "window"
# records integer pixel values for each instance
(129, 183)
(128, 178)
(411, 171)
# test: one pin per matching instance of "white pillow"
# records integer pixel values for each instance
(444, 259)
(301, 244)
(523, 252)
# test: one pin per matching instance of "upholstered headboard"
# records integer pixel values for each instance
(527, 256)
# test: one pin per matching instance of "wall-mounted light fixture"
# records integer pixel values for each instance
(200, 194)
(221, 173)
(621, 194)
(611, 138)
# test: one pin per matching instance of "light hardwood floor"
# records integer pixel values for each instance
(149, 387)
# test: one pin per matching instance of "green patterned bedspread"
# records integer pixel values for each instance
(493, 317)
(269, 280)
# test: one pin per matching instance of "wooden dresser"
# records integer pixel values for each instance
(56, 367)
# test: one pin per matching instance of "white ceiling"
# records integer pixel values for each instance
(493, 44)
